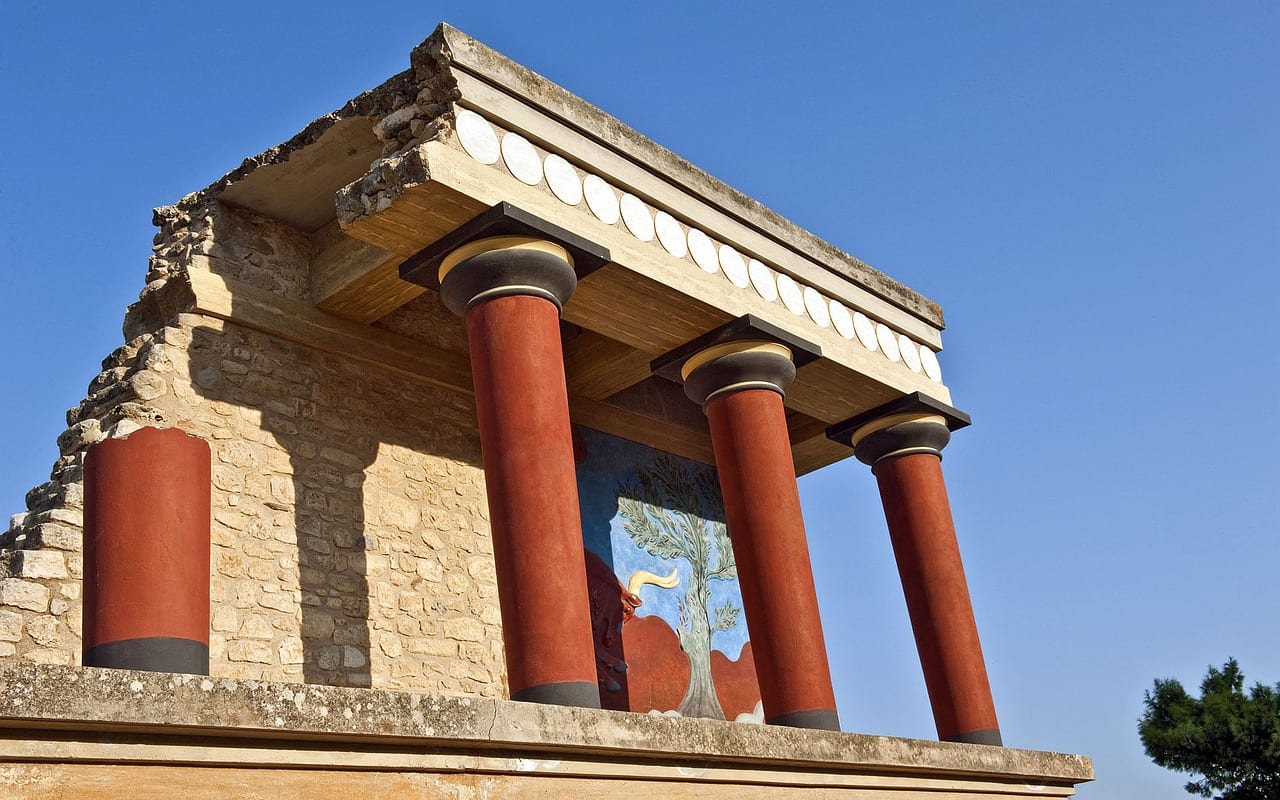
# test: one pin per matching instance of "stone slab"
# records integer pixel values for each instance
(77, 711)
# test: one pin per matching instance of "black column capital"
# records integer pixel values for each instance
(732, 367)
(504, 251)
(502, 266)
(914, 423)
(746, 353)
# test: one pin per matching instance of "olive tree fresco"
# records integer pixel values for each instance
(666, 607)
(679, 523)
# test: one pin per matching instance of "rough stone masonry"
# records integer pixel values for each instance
(350, 539)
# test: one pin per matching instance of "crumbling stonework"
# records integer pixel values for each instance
(350, 540)
(350, 534)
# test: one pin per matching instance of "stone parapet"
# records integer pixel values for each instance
(233, 737)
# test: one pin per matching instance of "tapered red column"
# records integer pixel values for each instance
(740, 386)
(904, 450)
(510, 290)
(146, 553)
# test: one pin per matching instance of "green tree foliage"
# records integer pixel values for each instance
(1230, 738)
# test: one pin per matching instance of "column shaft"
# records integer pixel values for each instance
(146, 553)
(525, 438)
(762, 507)
(928, 556)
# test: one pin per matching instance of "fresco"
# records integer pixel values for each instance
(665, 604)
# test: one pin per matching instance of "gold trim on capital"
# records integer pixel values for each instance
(730, 348)
(890, 421)
(493, 243)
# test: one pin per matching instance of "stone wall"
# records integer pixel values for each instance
(350, 539)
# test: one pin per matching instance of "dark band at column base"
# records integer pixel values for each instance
(821, 719)
(570, 693)
(989, 736)
(151, 654)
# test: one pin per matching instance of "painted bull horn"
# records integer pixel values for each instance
(641, 577)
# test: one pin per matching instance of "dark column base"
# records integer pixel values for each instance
(821, 719)
(569, 693)
(990, 736)
(151, 654)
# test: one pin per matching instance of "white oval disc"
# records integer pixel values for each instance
(929, 361)
(865, 330)
(671, 235)
(910, 353)
(637, 218)
(563, 180)
(841, 319)
(703, 251)
(521, 159)
(600, 199)
(791, 293)
(734, 266)
(762, 279)
(816, 305)
(888, 342)
(477, 136)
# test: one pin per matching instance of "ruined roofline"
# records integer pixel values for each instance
(368, 104)
(486, 64)
(446, 70)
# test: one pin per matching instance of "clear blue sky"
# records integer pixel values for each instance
(1090, 190)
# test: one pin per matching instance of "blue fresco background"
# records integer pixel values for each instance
(610, 465)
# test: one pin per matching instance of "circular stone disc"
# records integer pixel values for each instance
(477, 137)
(910, 353)
(563, 180)
(865, 330)
(671, 235)
(762, 279)
(521, 159)
(929, 362)
(734, 266)
(637, 218)
(600, 199)
(816, 305)
(791, 293)
(842, 320)
(703, 251)
(888, 342)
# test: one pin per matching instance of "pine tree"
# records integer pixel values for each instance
(1230, 738)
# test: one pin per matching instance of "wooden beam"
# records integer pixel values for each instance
(358, 281)
(641, 428)
(597, 367)
(237, 302)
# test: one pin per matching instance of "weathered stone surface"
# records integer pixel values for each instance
(39, 564)
(10, 626)
(24, 594)
(118, 700)
(327, 520)
(54, 536)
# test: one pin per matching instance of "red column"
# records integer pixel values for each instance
(924, 544)
(146, 553)
(513, 331)
(740, 387)
(902, 441)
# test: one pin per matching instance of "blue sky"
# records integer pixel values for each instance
(1090, 190)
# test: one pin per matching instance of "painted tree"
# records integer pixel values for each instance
(1230, 738)
(671, 512)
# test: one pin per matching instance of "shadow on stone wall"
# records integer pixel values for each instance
(299, 494)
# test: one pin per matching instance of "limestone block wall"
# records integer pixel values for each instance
(350, 539)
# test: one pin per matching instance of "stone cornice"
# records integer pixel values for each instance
(473, 57)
